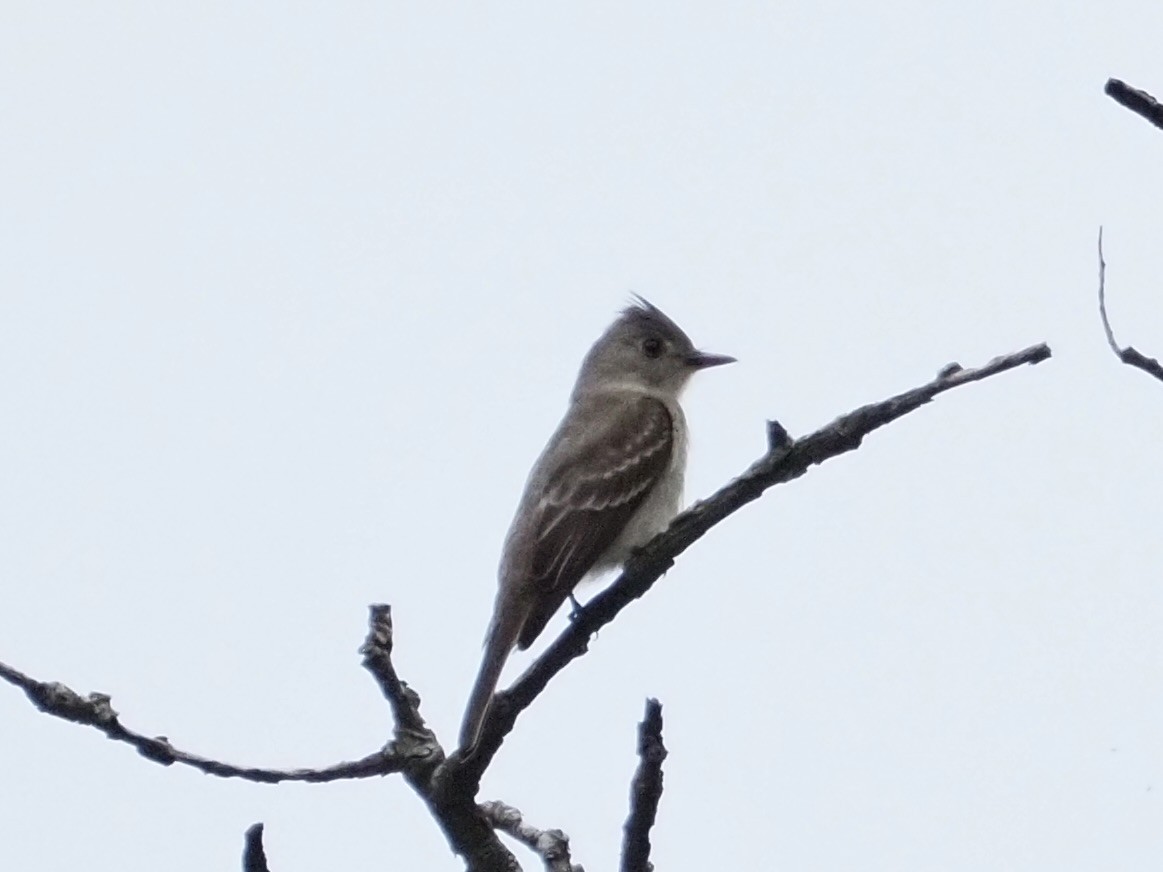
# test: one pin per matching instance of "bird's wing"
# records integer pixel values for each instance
(594, 485)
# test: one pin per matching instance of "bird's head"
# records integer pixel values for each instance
(644, 349)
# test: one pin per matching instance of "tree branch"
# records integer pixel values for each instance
(414, 751)
(405, 702)
(469, 832)
(449, 786)
(552, 846)
(785, 460)
(1129, 355)
(645, 792)
(1139, 102)
(96, 710)
(254, 858)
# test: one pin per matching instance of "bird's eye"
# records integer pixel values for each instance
(652, 347)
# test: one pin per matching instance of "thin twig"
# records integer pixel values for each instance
(784, 461)
(552, 846)
(1129, 355)
(96, 710)
(1139, 102)
(645, 792)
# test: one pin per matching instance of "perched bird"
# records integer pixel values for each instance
(608, 480)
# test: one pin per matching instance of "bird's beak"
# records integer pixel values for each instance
(702, 359)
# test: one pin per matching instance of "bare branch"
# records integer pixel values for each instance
(1139, 102)
(552, 846)
(96, 711)
(645, 792)
(254, 858)
(377, 659)
(1129, 355)
(784, 461)
(414, 751)
(449, 786)
(469, 833)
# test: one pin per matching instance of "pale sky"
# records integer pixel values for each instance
(292, 296)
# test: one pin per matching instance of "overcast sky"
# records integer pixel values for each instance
(291, 297)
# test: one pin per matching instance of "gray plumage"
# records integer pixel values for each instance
(608, 480)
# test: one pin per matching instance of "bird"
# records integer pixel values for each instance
(608, 480)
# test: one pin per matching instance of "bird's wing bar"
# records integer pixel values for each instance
(603, 477)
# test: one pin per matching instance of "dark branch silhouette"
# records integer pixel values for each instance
(645, 791)
(449, 786)
(254, 858)
(1139, 102)
(1128, 355)
(96, 711)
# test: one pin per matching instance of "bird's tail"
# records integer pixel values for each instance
(503, 632)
